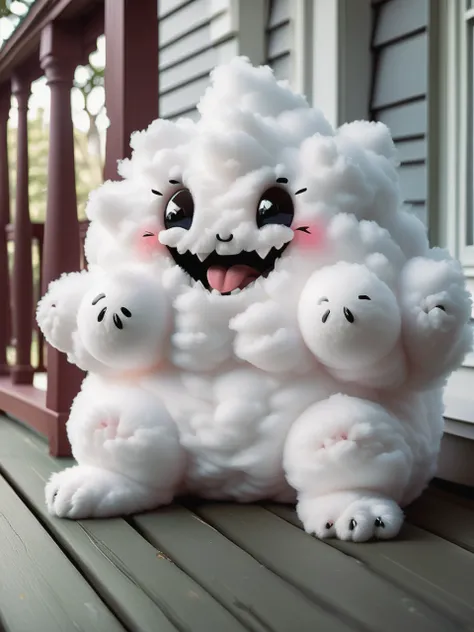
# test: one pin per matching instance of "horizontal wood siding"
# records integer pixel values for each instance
(278, 34)
(400, 86)
(194, 37)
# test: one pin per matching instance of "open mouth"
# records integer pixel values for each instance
(227, 274)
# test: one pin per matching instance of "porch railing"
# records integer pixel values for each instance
(54, 38)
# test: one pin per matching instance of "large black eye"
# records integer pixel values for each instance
(180, 210)
(275, 207)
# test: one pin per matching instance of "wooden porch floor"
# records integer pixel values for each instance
(220, 567)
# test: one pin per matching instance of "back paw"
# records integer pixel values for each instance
(89, 492)
(353, 516)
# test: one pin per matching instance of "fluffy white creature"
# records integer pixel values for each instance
(224, 381)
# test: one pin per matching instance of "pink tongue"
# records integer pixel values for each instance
(224, 280)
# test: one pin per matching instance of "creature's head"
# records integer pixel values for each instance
(348, 317)
(256, 180)
(123, 322)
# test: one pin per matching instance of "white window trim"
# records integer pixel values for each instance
(449, 99)
(447, 181)
(331, 56)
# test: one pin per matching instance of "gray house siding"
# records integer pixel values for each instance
(278, 37)
(399, 88)
(188, 50)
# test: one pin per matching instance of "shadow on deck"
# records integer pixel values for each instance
(211, 567)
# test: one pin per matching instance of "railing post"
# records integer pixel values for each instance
(5, 309)
(59, 52)
(22, 283)
(131, 74)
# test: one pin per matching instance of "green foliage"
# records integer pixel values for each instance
(94, 79)
(88, 168)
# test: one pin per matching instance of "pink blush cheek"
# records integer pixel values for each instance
(314, 239)
(148, 247)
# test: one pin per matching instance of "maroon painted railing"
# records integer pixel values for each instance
(55, 37)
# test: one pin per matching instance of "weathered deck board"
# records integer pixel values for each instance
(137, 581)
(249, 590)
(320, 570)
(209, 567)
(39, 587)
(425, 565)
(437, 513)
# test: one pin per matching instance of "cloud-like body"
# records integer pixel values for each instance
(312, 325)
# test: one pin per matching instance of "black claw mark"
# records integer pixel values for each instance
(326, 315)
(329, 525)
(282, 180)
(352, 525)
(117, 322)
(364, 297)
(126, 312)
(148, 234)
(301, 191)
(101, 315)
(379, 523)
(98, 298)
(441, 307)
(55, 495)
(348, 315)
(156, 192)
(304, 229)
(174, 182)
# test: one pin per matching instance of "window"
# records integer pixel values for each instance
(451, 159)
(455, 62)
(466, 123)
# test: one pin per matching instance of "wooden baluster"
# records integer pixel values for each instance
(39, 293)
(131, 74)
(22, 282)
(5, 91)
(59, 52)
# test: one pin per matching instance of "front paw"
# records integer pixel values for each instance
(437, 312)
(57, 311)
(56, 321)
(123, 321)
(351, 516)
(433, 295)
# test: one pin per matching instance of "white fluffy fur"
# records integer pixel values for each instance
(251, 396)
(351, 322)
